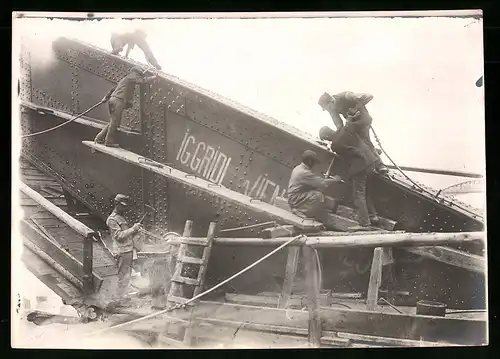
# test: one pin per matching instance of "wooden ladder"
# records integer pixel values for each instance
(188, 281)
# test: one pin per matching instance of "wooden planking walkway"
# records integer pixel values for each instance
(103, 264)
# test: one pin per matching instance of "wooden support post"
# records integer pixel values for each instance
(201, 277)
(312, 288)
(88, 257)
(375, 279)
(290, 271)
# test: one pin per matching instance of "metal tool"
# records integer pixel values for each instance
(105, 245)
(150, 162)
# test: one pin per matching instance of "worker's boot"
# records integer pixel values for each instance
(101, 136)
(375, 220)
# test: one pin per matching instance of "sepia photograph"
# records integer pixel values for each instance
(248, 180)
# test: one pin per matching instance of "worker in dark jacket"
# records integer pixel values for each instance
(347, 143)
(353, 107)
(123, 242)
(119, 41)
(120, 98)
(305, 190)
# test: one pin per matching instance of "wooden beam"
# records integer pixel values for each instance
(59, 255)
(280, 231)
(375, 279)
(366, 240)
(329, 338)
(312, 288)
(452, 257)
(77, 226)
(290, 272)
(395, 240)
(393, 325)
(404, 326)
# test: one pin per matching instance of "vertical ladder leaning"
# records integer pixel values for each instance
(187, 280)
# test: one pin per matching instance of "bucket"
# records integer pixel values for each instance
(427, 307)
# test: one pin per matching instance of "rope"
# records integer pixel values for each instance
(178, 306)
(409, 179)
(62, 124)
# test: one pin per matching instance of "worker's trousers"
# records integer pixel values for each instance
(361, 199)
(124, 272)
(108, 133)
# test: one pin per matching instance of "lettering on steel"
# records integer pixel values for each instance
(210, 163)
(203, 159)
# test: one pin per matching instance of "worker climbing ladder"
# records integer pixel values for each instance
(188, 278)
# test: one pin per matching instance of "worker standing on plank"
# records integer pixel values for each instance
(123, 242)
(120, 98)
(347, 143)
(305, 190)
(353, 107)
(119, 41)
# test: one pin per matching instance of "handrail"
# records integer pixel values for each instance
(56, 211)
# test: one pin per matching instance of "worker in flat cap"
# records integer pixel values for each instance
(130, 39)
(305, 190)
(119, 98)
(123, 242)
(353, 107)
(360, 160)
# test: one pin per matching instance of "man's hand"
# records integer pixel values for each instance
(105, 98)
(136, 227)
(337, 179)
(353, 113)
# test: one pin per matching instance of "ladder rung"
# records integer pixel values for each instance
(180, 300)
(191, 260)
(197, 242)
(186, 280)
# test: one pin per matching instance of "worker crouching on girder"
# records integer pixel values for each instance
(349, 146)
(305, 190)
(130, 39)
(120, 98)
(353, 107)
(123, 242)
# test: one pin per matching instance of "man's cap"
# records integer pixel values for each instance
(325, 99)
(122, 199)
(325, 132)
(309, 155)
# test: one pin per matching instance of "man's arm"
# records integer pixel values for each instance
(317, 182)
(361, 99)
(117, 233)
(144, 80)
(108, 95)
(337, 121)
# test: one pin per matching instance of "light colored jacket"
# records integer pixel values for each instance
(121, 233)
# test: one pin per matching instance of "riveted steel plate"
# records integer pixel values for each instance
(25, 75)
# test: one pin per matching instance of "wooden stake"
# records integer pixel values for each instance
(375, 279)
(290, 272)
(312, 288)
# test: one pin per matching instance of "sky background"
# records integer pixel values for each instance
(422, 73)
